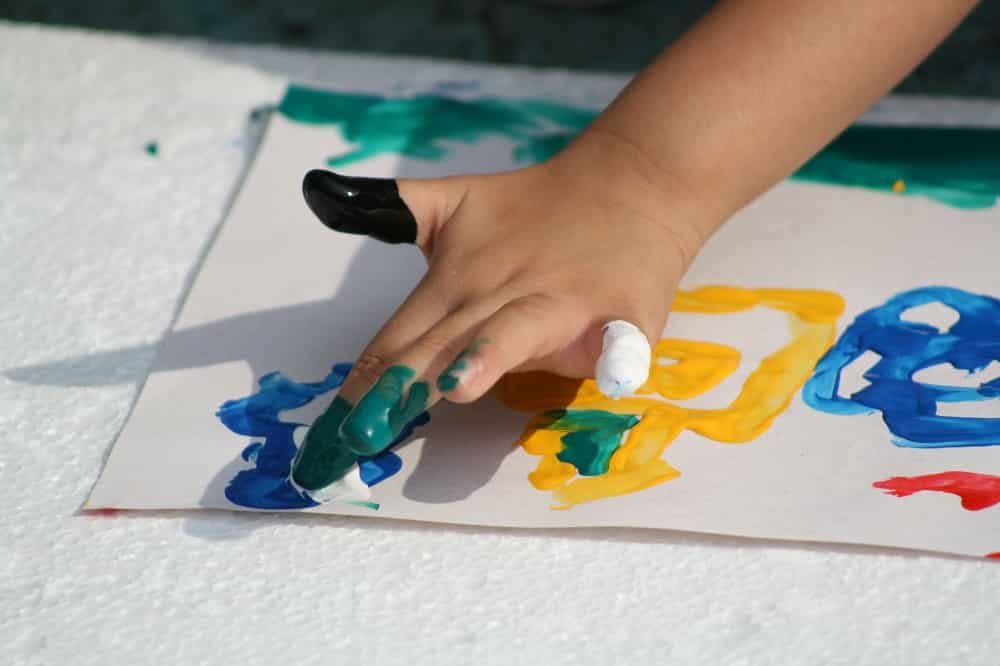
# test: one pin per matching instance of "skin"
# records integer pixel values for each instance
(535, 261)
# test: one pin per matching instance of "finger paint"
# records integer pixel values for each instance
(424, 127)
(268, 484)
(592, 437)
(636, 462)
(366, 206)
(909, 408)
(624, 362)
(383, 412)
(448, 380)
(977, 491)
(458, 371)
(956, 166)
(322, 458)
(953, 166)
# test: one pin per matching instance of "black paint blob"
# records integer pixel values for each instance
(367, 206)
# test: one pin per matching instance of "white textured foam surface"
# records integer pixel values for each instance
(97, 242)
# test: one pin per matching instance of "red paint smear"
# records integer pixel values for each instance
(978, 491)
(994, 556)
(102, 512)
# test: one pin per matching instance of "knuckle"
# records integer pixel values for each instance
(370, 366)
(436, 343)
(546, 316)
(535, 307)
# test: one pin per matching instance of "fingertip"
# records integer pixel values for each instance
(624, 363)
(465, 392)
(385, 412)
(366, 430)
(460, 381)
(361, 438)
(321, 460)
(366, 206)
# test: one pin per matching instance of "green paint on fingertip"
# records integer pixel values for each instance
(592, 438)
(448, 380)
(152, 148)
(451, 377)
(323, 459)
(383, 412)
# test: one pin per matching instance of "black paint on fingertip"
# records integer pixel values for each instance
(367, 206)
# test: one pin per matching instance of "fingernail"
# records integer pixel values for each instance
(382, 414)
(323, 459)
(460, 370)
(367, 206)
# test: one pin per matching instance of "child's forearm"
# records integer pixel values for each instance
(758, 86)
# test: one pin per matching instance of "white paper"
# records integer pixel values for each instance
(280, 292)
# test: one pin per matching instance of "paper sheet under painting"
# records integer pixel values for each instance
(845, 329)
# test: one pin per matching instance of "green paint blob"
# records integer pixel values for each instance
(448, 379)
(592, 438)
(323, 458)
(382, 413)
(152, 148)
(956, 166)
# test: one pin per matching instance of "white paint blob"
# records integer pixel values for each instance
(349, 488)
(625, 357)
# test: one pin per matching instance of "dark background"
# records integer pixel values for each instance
(619, 37)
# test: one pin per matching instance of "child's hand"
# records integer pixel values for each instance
(525, 267)
(524, 270)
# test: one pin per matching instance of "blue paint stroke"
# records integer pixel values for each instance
(909, 408)
(266, 485)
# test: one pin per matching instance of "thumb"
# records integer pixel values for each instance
(405, 211)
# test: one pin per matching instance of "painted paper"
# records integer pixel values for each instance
(829, 371)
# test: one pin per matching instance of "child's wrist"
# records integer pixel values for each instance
(608, 164)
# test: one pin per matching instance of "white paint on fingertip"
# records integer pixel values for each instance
(625, 358)
(349, 488)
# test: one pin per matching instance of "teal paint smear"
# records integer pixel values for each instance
(421, 127)
(539, 149)
(959, 167)
(322, 458)
(383, 412)
(266, 484)
(448, 379)
(592, 438)
(152, 148)
(956, 166)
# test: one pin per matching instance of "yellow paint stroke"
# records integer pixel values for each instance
(697, 367)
